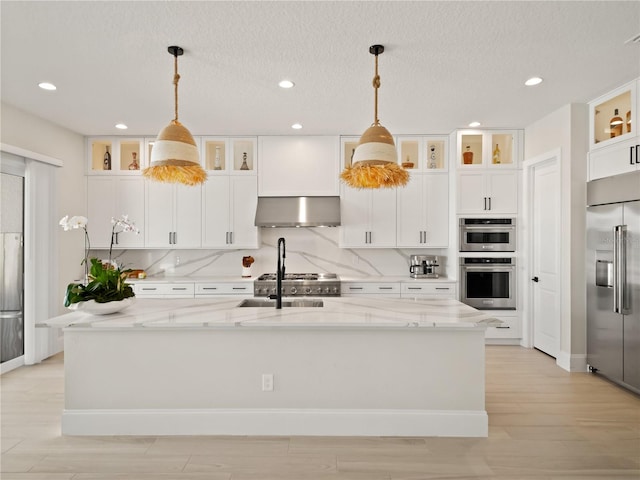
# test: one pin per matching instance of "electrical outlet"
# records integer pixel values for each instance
(267, 382)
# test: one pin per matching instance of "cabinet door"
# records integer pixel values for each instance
(354, 212)
(101, 206)
(215, 212)
(471, 193)
(502, 191)
(382, 216)
(188, 216)
(159, 214)
(436, 207)
(615, 159)
(410, 213)
(130, 202)
(244, 200)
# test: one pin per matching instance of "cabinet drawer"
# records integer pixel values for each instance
(445, 289)
(509, 329)
(160, 290)
(224, 289)
(388, 288)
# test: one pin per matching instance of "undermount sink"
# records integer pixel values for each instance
(259, 302)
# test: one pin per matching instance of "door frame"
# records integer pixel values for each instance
(528, 166)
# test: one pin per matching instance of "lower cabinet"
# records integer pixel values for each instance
(163, 290)
(371, 289)
(510, 329)
(217, 289)
(428, 290)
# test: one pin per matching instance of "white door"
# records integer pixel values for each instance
(436, 205)
(244, 201)
(471, 192)
(101, 205)
(354, 211)
(502, 192)
(188, 220)
(383, 218)
(159, 214)
(545, 255)
(410, 213)
(130, 195)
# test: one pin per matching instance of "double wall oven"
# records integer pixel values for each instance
(488, 282)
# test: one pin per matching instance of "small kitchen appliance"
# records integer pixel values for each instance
(487, 234)
(423, 266)
(298, 284)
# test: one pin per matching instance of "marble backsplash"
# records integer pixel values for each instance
(308, 250)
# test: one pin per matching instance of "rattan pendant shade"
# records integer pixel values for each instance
(375, 160)
(174, 157)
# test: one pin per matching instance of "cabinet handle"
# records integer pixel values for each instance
(385, 288)
(442, 288)
(175, 238)
(485, 203)
(414, 288)
(209, 288)
(149, 288)
(370, 237)
(631, 160)
(178, 288)
(489, 203)
(355, 288)
(239, 288)
(504, 326)
(170, 238)
(226, 238)
(231, 237)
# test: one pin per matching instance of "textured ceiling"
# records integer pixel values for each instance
(445, 63)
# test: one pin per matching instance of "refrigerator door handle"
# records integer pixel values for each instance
(619, 269)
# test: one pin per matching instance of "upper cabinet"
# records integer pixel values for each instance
(487, 149)
(427, 154)
(298, 166)
(115, 156)
(612, 117)
(224, 155)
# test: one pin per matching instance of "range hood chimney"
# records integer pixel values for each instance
(298, 212)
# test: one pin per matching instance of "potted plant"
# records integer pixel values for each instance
(104, 289)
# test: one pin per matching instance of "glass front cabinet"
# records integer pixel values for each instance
(487, 149)
(115, 155)
(423, 154)
(612, 116)
(225, 155)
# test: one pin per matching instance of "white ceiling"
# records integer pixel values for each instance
(445, 63)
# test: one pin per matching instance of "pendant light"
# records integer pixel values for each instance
(375, 160)
(174, 157)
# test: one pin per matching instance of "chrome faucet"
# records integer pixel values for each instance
(280, 273)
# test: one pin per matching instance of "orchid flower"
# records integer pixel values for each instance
(124, 223)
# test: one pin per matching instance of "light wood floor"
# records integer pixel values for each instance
(544, 424)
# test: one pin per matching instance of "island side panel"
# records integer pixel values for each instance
(358, 370)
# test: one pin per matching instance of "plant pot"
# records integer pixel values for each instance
(94, 308)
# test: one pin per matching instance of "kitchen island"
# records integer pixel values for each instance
(209, 367)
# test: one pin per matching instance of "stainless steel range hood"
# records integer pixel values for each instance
(298, 212)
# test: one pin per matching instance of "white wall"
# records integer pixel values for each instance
(23, 130)
(567, 129)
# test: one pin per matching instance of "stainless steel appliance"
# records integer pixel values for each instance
(423, 266)
(487, 234)
(11, 268)
(613, 278)
(488, 283)
(298, 212)
(298, 284)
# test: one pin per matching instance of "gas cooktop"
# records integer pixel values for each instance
(299, 284)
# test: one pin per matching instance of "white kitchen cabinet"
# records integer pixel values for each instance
(114, 196)
(510, 328)
(173, 215)
(214, 289)
(615, 159)
(224, 155)
(493, 149)
(370, 289)
(494, 192)
(428, 290)
(163, 290)
(368, 217)
(613, 116)
(115, 156)
(423, 211)
(228, 212)
(298, 166)
(427, 153)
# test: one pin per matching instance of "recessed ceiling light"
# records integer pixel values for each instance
(296, 126)
(474, 124)
(121, 126)
(286, 84)
(47, 86)
(533, 81)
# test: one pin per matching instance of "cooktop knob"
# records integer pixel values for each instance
(293, 290)
(307, 289)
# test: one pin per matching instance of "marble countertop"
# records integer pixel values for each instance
(337, 312)
(238, 279)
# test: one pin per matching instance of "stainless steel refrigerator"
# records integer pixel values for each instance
(613, 278)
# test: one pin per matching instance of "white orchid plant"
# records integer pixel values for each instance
(101, 284)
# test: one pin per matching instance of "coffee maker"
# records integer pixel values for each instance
(423, 266)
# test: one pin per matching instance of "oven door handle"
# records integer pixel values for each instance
(489, 228)
(489, 268)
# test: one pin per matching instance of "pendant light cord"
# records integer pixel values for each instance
(376, 85)
(176, 78)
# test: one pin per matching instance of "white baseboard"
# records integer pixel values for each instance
(572, 363)
(287, 422)
(11, 364)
